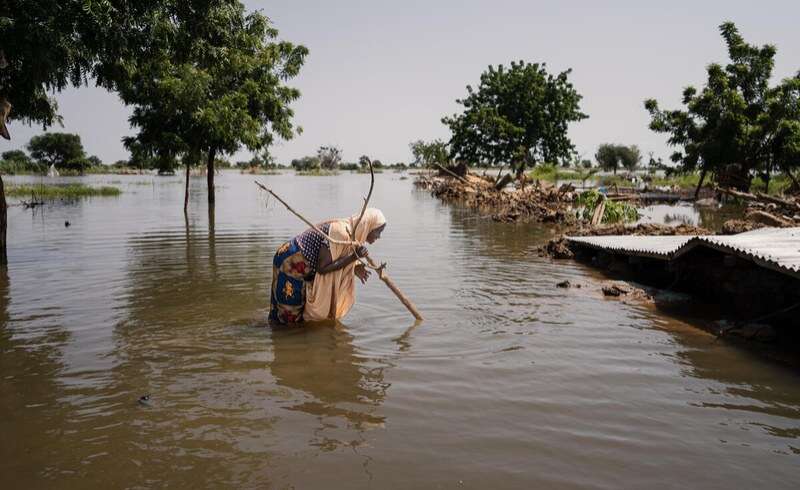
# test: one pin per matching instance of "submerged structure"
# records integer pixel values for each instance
(755, 275)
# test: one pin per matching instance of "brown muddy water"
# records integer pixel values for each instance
(509, 382)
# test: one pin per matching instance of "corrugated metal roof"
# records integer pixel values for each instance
(774, 248)
(659, 247)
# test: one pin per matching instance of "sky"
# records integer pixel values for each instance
(381, 73)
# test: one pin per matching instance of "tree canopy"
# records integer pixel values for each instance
(64, 150)
(612, 157)
(212, 84)
(736, 125)
(427, 153)
(518, 115)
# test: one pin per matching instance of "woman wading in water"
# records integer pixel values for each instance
(313, 279)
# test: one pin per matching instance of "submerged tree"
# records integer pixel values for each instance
(215, 83)
(736, 124)
(518, 115)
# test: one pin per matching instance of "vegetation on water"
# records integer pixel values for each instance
(615, 211)
(518, 115)
(49, 192)
(317, 172)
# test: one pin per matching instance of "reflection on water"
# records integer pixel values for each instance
(509, 383)
(709, 217)
(328, 377)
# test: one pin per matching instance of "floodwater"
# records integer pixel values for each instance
(508, 383)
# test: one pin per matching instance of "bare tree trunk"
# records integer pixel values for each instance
(700, 183)
(3, 224)
(210, 175)
(186, 190)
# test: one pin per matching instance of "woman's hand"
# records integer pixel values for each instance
(362, 273)
(361, 251)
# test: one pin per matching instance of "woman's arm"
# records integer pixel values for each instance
(326, 264)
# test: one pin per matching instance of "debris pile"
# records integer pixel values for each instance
(540, 201)
(766, 210)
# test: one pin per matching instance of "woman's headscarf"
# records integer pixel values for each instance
(330, 296)
(373, 218)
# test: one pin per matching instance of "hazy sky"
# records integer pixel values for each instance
(382, 73)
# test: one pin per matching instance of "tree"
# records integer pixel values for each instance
(214, 82)
(428, 153)
(518, 116)
(607, 157)
(329, 157)
(305, 164)
(630, 156)
(736, 124)
(59, 149)
(39, 53)
(611, 157)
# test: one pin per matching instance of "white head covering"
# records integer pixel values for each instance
(330, 296)
(373, 218)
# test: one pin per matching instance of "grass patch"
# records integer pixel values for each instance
(778, 184)
(66, 191)
(317, 172)
(682, 181)
(552, 173)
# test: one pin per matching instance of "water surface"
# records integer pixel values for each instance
(509, 383)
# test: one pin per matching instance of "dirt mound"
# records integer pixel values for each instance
(656, 229)
(734, 226)
(540, 202)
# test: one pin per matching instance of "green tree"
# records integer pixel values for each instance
(736, 125)
(611, 157)
(607, 157)
(212, 84)
(518, 115)
(630, 156)
(305, 164)
(427, 153)
(60, 149)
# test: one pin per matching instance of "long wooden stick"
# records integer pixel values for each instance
(383, 276)
(312, 225)
(381, 269)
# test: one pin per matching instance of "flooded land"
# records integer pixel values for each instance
(134, 353)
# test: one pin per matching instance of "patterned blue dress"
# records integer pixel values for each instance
(294, 264)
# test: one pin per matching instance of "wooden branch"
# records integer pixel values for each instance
(303, 218)
(741, 195)
(780, 202)
(366, 201)
(383, 276)
(462, 179)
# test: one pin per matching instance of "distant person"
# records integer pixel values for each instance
(314, 280)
